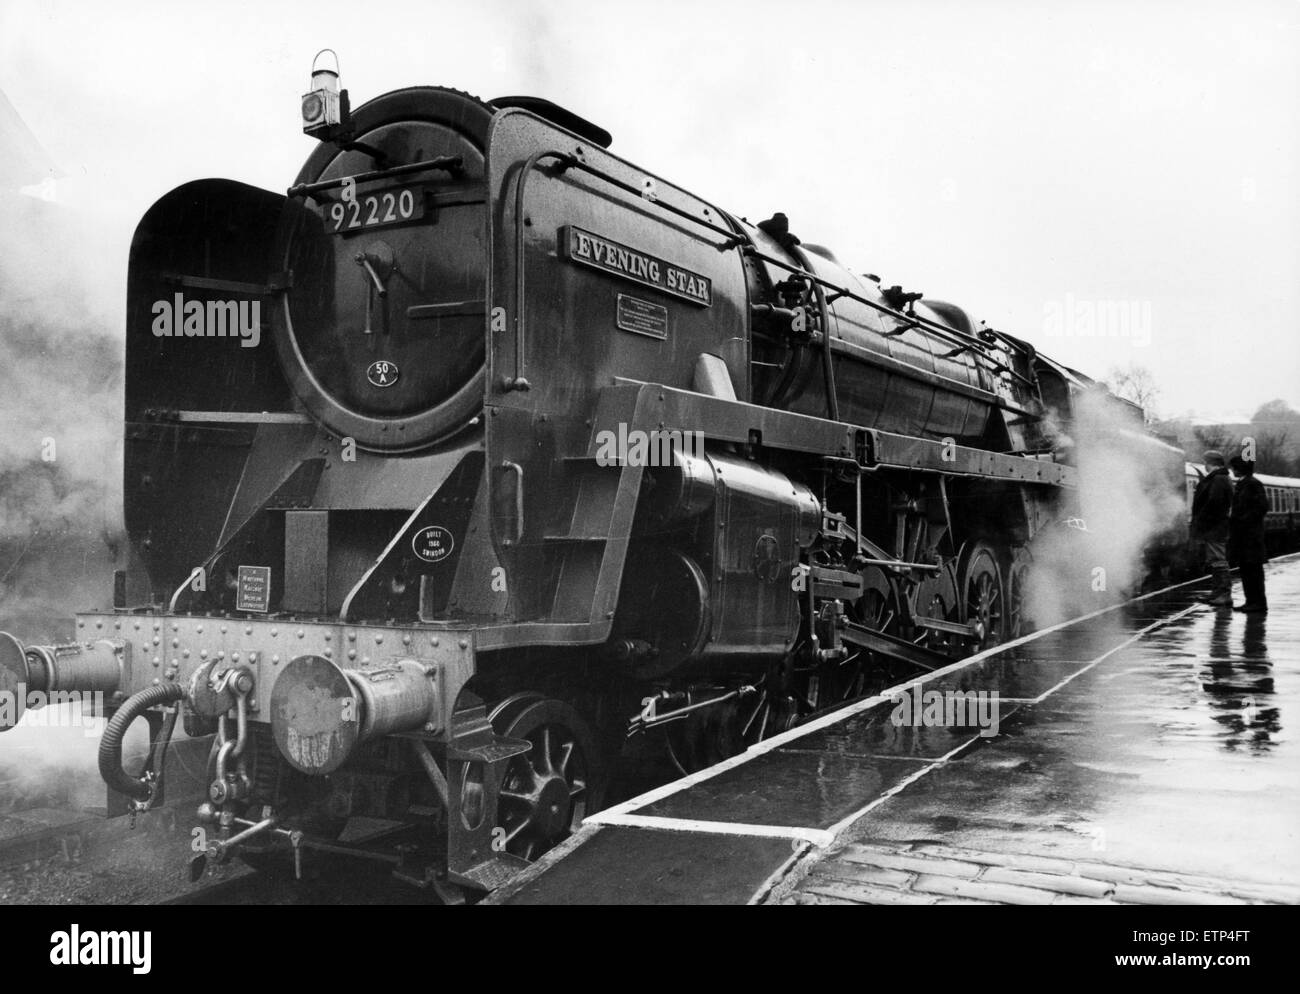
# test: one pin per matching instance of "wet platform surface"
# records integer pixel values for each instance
(1145, 754)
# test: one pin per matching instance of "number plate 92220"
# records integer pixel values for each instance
(374, 210)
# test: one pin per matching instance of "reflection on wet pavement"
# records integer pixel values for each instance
(1172, 755)
(1141, 756)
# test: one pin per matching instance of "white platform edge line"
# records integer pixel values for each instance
(822, 838)
(834, 717)
(844, 823)
(907, 781)
(819, 837)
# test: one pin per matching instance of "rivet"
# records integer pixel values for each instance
(328, 636)
(199, 630)
(352, 636)
(248, 629)
(352, 653)
(157, 626)
(137, 626)
(203, 653)
(175, 643)
(223, 629)
(464, 643)
(274, 632)
(234, 657)
(275, 659)
(406, 640)
(156, 640)
(156, 661)
(433, 641)
(117, 625)
(379, 640)
(82, 624)
(301, 633)
(185, 654)
(329, 653)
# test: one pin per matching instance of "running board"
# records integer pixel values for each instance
(895, 648)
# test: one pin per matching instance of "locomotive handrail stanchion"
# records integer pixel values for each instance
(828, 366)
(937, 328)
(514, 467)
(453, 164)
(910, 321)
(518, 382)
(857, 521)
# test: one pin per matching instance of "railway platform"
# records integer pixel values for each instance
(1143, 754)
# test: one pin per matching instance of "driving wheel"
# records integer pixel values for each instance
(547, 791)
(984, 596)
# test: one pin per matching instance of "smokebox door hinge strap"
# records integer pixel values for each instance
(278, 283)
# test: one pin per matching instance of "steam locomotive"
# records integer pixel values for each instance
(550, 465)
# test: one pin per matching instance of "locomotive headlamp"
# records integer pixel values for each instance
(324, 108)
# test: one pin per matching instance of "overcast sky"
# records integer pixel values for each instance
(1040, 164)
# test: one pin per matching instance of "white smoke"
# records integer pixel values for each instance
(1130, 492)
(60, 422)
(60, 474)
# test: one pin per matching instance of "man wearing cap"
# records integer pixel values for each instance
(1246, 534)
(1211, 506)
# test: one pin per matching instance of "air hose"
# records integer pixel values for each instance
(110, 746)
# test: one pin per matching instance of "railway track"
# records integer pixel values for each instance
(338, 884)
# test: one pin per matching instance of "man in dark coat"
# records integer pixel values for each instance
(1246, 534)
(1211, 505)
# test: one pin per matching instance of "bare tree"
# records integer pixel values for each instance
(1274, 427)
(1212, 436)
(1137, 384)
(1271, 452)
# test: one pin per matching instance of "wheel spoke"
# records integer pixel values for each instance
(526, 763)
(514, 833)
(544, 751)
(549, 787)
(566, 753)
